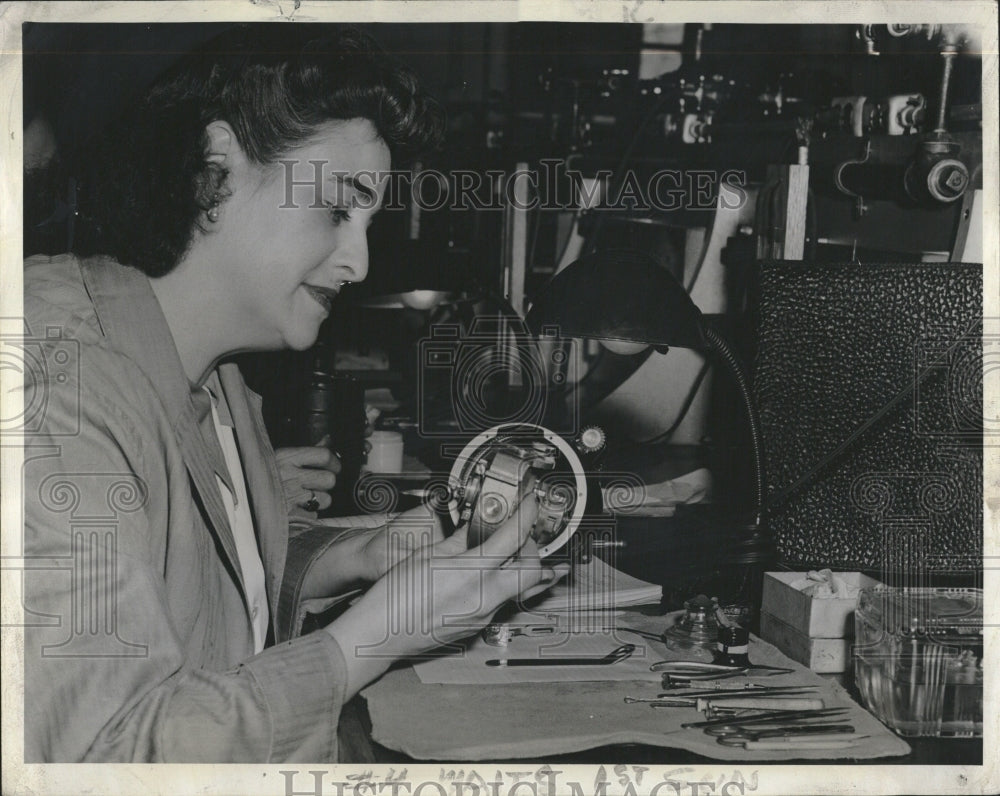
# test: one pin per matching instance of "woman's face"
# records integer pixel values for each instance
(291, 234)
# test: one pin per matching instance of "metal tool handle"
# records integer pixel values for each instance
(786, 737)
(764, 703)
(805, 744)
(739, 729)
(767, 718)
(616, 655)
(693, 667)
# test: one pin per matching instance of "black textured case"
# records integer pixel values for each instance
(868, 379)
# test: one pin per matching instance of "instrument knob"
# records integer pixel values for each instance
(592, 439)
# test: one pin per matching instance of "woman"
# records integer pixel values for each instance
(166, 627)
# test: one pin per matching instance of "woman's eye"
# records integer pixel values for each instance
(338, 214)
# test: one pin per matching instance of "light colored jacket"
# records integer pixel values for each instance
(138, 645)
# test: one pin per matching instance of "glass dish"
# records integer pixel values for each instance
(918, 659)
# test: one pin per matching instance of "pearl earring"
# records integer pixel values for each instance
(213, 211)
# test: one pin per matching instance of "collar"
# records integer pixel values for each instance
(212, 390)
(133, 323)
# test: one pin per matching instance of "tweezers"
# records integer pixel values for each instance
(696, 670)
(768, 717)
(618, 654)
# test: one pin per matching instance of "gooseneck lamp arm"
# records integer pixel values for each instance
(727, 355)
(625, 295)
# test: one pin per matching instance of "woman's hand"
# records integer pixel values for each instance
(363, 555)
(398, 538)
(307, 476)
(440, 593)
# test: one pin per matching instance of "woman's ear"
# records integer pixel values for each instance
(223, 148)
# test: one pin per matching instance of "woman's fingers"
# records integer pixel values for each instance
(511, 536)
(423, 517)
(308, 456)
(517, 574)
(307, 476)
(457, 543)
(316, 479)
(550, 577)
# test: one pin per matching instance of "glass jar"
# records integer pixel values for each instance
(918, 659)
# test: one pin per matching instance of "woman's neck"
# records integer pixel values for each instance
(191, 307)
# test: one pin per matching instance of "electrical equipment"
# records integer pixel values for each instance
(509, 463)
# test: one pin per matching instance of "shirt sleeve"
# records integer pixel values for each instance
(306, 546)
(108, 671)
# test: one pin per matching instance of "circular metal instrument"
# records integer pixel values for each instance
(506, 464)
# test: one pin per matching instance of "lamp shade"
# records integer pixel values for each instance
(619, 295)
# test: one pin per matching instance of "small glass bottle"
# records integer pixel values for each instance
(698, 629)
(733, 647)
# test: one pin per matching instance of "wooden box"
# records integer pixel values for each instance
(813, 618)
(822, 655)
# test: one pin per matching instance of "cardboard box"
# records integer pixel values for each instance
(813, 618)
(822, 655)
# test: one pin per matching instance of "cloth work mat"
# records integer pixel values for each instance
(450, 722)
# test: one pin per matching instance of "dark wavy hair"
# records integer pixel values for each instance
(150, 181)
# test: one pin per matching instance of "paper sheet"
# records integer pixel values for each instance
(659, 500)
(598, 586)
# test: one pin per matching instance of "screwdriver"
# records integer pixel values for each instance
(766, 717)
(747, 703)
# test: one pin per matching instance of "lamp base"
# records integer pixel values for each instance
(703, 548)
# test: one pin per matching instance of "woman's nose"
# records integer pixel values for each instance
(351, 255)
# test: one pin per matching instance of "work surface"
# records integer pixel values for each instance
(428, 721)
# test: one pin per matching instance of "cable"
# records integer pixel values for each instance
(704, 252)
(722, 348)
(574, 224)
(762, 220)
(569, 237)
(662, 437)
(537, 222)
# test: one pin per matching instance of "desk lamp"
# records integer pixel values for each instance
(628, 302)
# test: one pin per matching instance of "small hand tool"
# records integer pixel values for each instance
(643, 633)
(684, 671)
(499, 634)
(744, 690)
(771, 716)
(749, 688)
(671, 683)
(736, 728)
(720, 695)
(737, 735)
(801, 744)
(616, 655)
(747, 703)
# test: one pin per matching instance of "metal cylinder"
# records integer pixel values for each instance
(948, 54)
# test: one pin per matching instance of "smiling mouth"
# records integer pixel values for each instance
(324, 296)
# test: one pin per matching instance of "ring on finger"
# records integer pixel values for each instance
(312, 504)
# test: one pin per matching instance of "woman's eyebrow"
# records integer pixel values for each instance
(346, 179)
